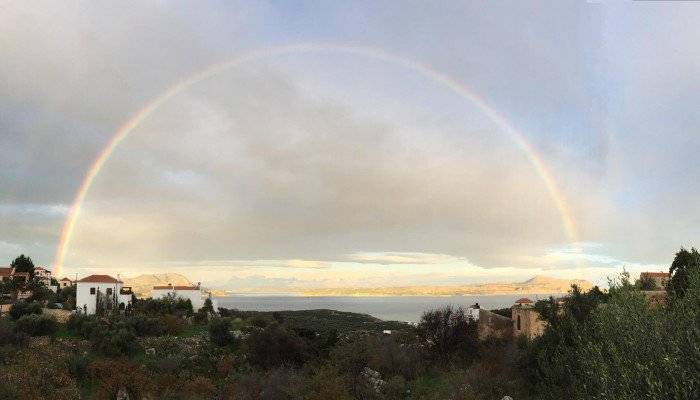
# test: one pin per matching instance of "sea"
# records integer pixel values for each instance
(389, 308)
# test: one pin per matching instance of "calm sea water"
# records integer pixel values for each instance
(400, 308)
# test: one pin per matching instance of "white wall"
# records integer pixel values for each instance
(84, 298)
(195, 296)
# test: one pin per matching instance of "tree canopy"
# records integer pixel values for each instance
(23, 264)
(684, 262)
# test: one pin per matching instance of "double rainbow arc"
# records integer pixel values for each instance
(458, 88)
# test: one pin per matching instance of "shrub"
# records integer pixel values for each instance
(274, 346)
(143, 325)
(22, 307)
(115, 375)
(198, 388)
(9, 336)
(623, 350)
(117, 343)
(220, 331)
(37, 325)
(200, 317)
(78, 365)
(448, 332)
(172, 324)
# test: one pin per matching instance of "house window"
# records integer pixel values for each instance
(109, 291)
(518, 323)
(92, 290)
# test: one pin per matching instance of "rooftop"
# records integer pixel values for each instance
(99, 279)
(656, 274)
(523, 300)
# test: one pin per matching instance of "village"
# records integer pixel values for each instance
(101, 293)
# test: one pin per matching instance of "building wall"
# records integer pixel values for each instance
(86, 301)
(526, 321)
(195, 296)
(492, 325)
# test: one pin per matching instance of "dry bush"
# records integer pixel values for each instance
(33, 374)
(115, 375)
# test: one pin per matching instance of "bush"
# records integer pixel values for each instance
(274, 346)
(166, 305)
(220, 331)
(116, 343)
(22, 307)
(37, 325)
(143, 325)
(113, 376)
(172, 324)
(625, 349)
(449, 334)
(78, 365)
(9, 336)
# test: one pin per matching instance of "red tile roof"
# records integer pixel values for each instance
(523, 300)
(176, 287)
(99, 279)
(656, 274)
(5, 271)
(65, 279)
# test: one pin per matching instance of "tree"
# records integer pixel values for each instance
(220, 331)
(646, 283)
(684, 262)
(448, 331)
(23, 264)
(208, 307)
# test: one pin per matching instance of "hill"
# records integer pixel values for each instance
(535, 285)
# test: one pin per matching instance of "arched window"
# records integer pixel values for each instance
(518, 323)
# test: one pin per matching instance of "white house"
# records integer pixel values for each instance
(193, 293)
(65, 282)
(108, 289)
(43, 275)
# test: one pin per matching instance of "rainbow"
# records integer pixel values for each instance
(458, 88)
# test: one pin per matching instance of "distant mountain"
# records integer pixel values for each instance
(142, 285)
(536, 285)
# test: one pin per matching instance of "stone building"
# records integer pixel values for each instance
(659, 278)
(526, 320)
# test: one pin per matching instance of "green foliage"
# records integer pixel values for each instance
(9, 336)
(23, 264)
(37, 325)
(220, 331)
(165, 305)
(685, 263)
(78, 365)
(646, 283)
(41, 293)
(208, 307)
(449, 334)
(620, 349)
(66, 296)
(116, 343)
(274, 346)
(23, 307)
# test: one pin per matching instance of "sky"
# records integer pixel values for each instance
(399, 143)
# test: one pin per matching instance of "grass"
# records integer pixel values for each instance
(194, 330)
(64, 333)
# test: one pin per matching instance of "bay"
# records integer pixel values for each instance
(389, 308)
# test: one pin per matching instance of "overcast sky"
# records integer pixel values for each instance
(333, 168)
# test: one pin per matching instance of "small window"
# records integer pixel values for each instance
(92, 290)
(518, 323)
(109, 291)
